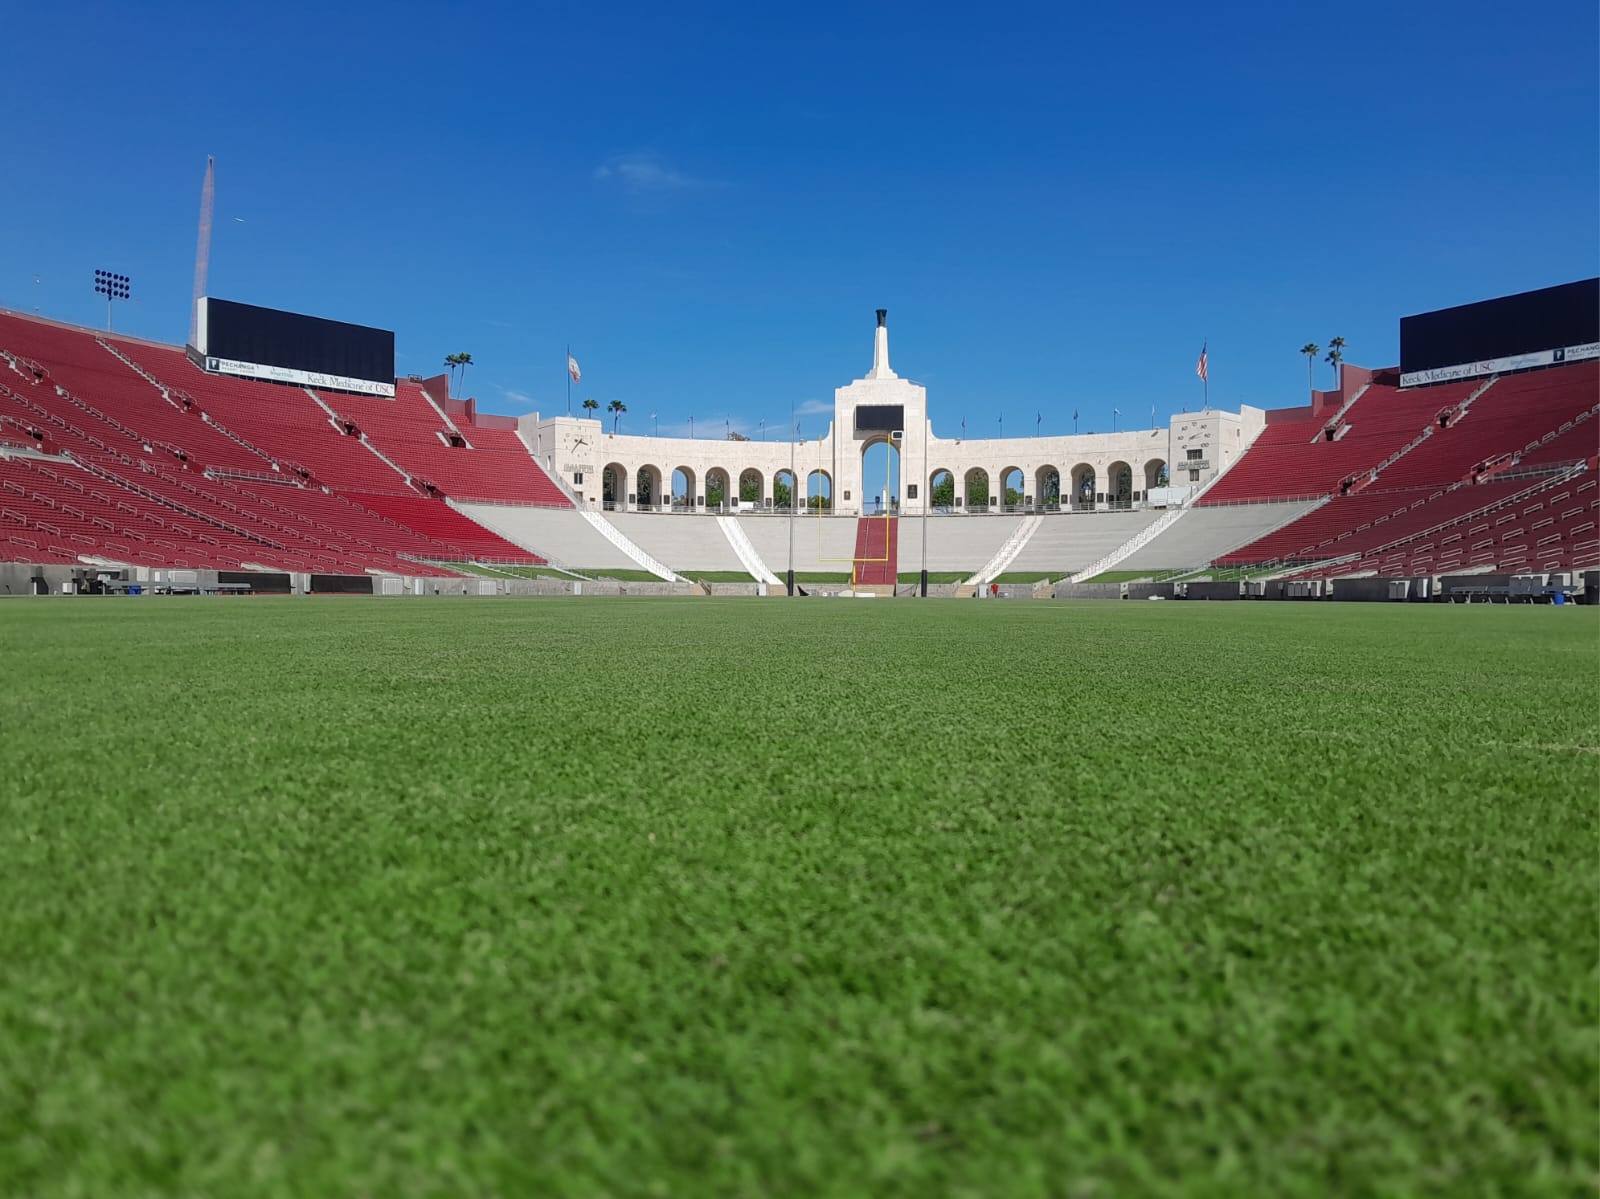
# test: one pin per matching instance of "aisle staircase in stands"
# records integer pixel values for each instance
(877, 556)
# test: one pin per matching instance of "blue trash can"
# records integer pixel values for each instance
(135, 589)
(1559, 598)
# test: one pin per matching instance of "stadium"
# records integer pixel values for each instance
(416, 787)
(280, 454)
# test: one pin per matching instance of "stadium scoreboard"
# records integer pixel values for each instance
(1534, 328)
(287, 347)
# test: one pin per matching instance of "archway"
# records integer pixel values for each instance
(614, 487)
(783, 489)
(942, 489)
(647, 486)
(1155, 475)
(819, 491)
(683, 490)
(880, 478)
(1013, 488)
(1047, 489)
(975, 490)
(717, 489)
(1083, 485)
(750, 481)
(1119, 485)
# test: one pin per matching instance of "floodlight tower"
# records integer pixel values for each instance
(202, 249)
(112, 287)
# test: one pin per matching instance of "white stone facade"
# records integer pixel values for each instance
(1093, 470)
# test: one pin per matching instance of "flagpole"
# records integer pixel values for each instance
(568, 365)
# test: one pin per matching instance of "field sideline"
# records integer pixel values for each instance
(654, 897)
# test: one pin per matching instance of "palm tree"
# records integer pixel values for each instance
(452, 361)
(463, 360)
(1311, 349)
(591, 404)
(616, 408)
(1336, 356)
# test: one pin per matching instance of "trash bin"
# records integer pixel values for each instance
(1559, 597)
(135, 589)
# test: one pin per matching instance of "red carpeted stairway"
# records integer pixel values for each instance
(876, 550)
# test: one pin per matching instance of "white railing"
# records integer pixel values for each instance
(1007, 553)
(1138, 541)
(444, 416)
(619, 539)
(746, 551)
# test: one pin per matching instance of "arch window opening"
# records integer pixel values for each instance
(880, 479)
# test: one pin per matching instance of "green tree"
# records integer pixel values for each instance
(1311, 349)
(452, 361)
(781, 493)
(591, 405)
(616, 408)
(1163, 476)
(463, 360)
(749, 488)
(736, 436)
(944, 490)
(1336, 358)
(714, 493)
(978, 490)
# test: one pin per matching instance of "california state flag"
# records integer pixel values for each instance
(572, 369)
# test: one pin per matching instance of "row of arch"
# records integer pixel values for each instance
(649, 487)
(1085, 487)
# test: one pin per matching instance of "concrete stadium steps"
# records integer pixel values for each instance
(560, 535)
(877, 540)
(956, 543)
(1201, 535)
(681, 542)
(822, 544)
(1067, 542)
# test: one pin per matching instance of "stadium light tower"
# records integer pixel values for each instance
(112, 287)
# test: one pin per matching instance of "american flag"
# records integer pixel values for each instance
(572, 369)
(1200, 367)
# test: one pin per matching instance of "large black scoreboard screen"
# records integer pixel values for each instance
(286, 347)
(880, 418)
(1534, 328)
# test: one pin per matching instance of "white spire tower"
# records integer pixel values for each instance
(880, 349)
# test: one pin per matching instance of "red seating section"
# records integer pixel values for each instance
(1501, 421)
(221, 472)
(1551, 527)
(1468, 493)
(1294, 458)
(877, 543)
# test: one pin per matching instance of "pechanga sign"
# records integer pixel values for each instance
(1499, 366)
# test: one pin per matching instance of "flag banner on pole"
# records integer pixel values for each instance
(1202, 366)
(572, 369)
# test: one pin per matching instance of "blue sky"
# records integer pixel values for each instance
(1057, 203)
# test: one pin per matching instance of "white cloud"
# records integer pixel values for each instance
(516, 397)
(646, 173)
(815, 408)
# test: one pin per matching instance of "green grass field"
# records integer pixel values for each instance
(829, 897)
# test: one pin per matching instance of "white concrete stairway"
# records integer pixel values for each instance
(617, 538)
(1140, 539)
(734, 532)
(1007, 553)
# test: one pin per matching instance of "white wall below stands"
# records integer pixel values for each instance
(683, 543)
(1202, 534)
(1067, 542)
(559, 534)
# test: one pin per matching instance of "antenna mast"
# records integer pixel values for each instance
(202, 249)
